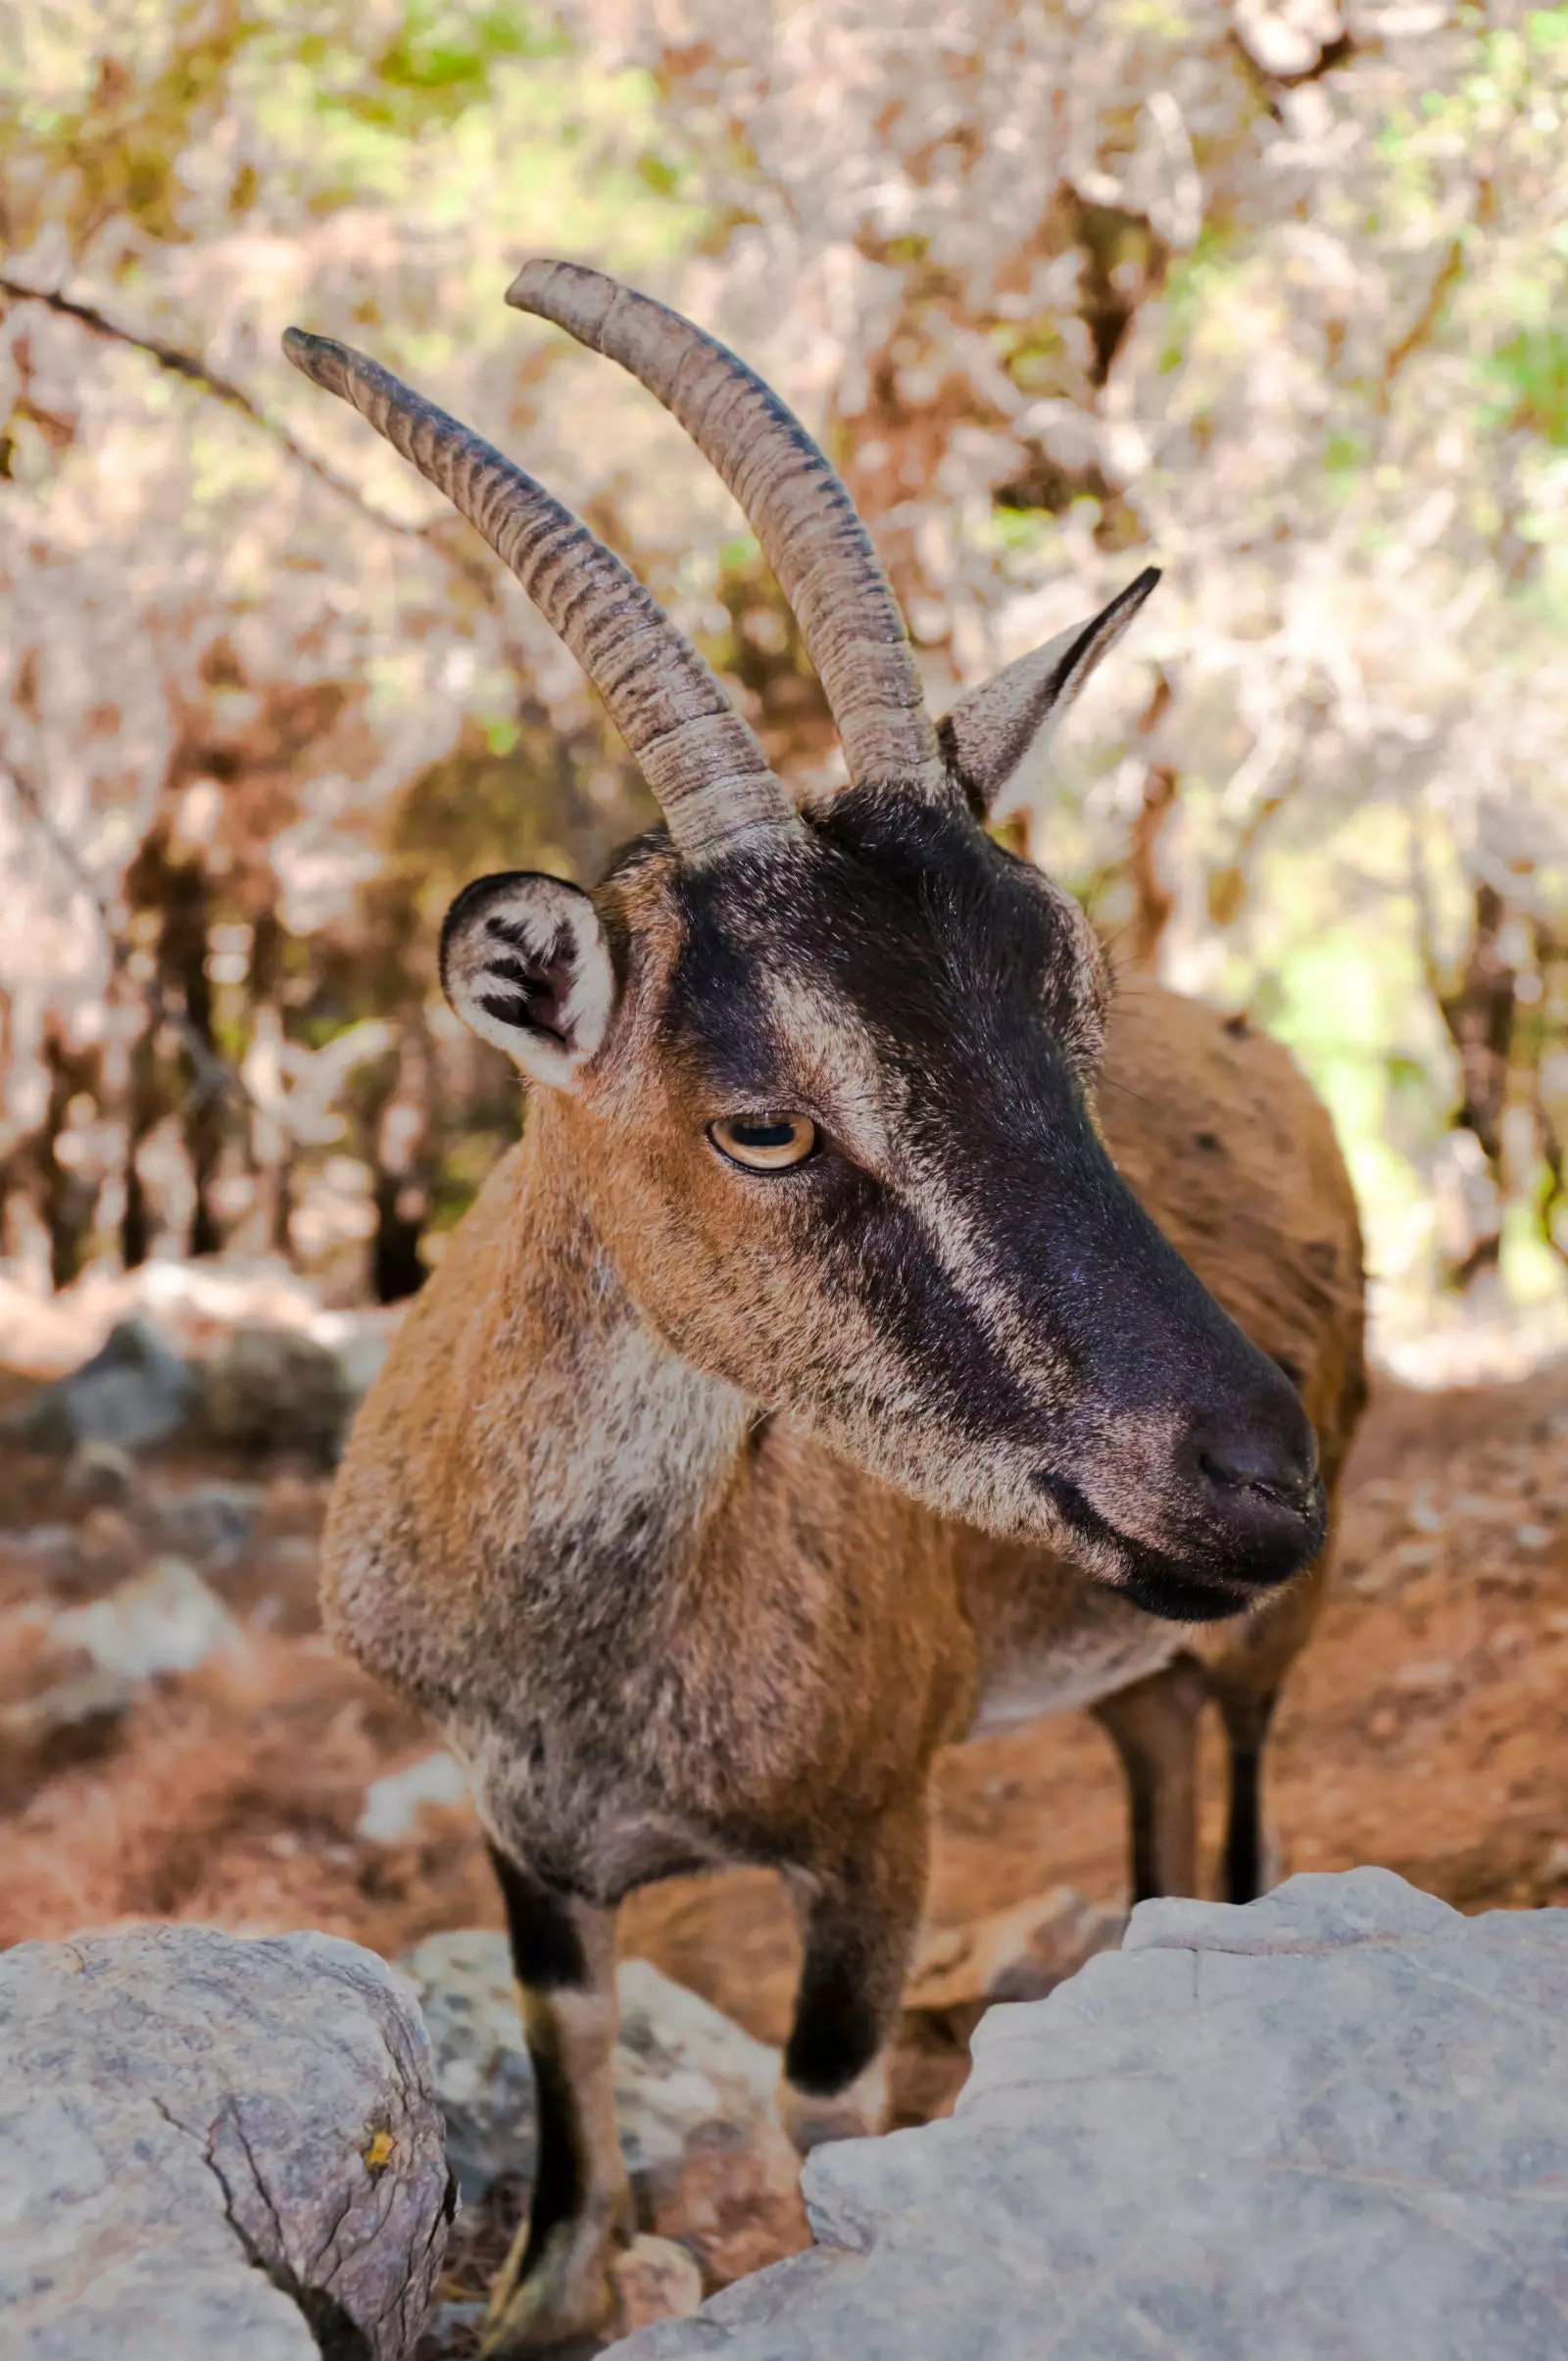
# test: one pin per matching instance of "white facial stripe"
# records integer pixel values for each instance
(969, 1261)
(860, 1096)
(865, 1099)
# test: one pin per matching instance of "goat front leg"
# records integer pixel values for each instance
(859, 1916)
(1154, 1727)
(1247, 1715)
(555, 2282)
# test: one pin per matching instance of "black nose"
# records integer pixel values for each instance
(1258, 1480)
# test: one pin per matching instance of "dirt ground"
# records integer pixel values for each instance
(1425, 1729)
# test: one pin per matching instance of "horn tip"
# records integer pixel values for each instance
(564, 291)
(530, 281)
(312, 356)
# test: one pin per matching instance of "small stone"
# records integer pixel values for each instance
(1426, 1679)
(653, 2279)
(75, 1718)
(209, 1520)
(274, 1389)
(136, 1391)
(163, 1620)
(107, 1538)
(1422, 1513)
(393, 1804)
(99, 1474)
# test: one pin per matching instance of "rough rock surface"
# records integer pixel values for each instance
(709, 2159)
(274, 1388)
(1334, 2123)
(214, 2145)
(136, 1390)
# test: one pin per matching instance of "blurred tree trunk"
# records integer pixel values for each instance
(66, 1201)
(1153, 899)
(1546, 1050)
(1480, 1017)
(143, 1110)
(405, 1168)
(10, 1161)
(271, 1140)
(183, 960)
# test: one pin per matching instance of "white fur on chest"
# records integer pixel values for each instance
(1077, 1670)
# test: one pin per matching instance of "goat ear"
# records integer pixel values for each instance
(525, 964)
(988, 733)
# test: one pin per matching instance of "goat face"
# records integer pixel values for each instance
(834, 1121)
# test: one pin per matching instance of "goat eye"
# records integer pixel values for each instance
(766, 1143)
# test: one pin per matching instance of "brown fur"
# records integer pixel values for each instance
(770, 1674)
(717, 1481)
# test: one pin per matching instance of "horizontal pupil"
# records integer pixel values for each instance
(763, 1135)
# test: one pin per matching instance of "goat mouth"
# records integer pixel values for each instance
(1159, 1584)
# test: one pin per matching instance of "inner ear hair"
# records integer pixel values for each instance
(525, 964)
(990, 732)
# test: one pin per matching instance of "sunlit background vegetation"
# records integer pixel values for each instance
(1276, 296)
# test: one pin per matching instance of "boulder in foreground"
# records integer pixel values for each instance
(212, 2146)
(1334, 2122)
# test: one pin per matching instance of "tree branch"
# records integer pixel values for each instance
(224, 389)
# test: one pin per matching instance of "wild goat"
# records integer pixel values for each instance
(809, 1382)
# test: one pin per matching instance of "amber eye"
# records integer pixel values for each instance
(766, 1143)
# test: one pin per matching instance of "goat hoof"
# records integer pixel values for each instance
(859, 2112)
(566, 2292)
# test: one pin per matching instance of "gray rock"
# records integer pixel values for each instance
(709, 2159)
(85, 1709)
(393, 1804)
(211, 1520)
(163, 1619)
(99, 1475)
(483, 2080)
(1332, 2124)
(275, 1389)
(212, 2146)
(135, 1392)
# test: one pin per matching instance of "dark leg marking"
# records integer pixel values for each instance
(547, 1956)
(838, 2029)
(1248, 1733)
(1154, 1727)
(859, 1917)
(547, 1953)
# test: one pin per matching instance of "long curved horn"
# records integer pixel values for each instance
(803, 516)
(701, 758)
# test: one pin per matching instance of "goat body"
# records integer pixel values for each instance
(819, 1377)
(667, 1630)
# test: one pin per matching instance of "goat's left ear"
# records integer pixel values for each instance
(525, 964)
(988, 733)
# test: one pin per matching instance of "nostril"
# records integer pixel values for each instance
(1282, 1486)
(1220, 1477)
